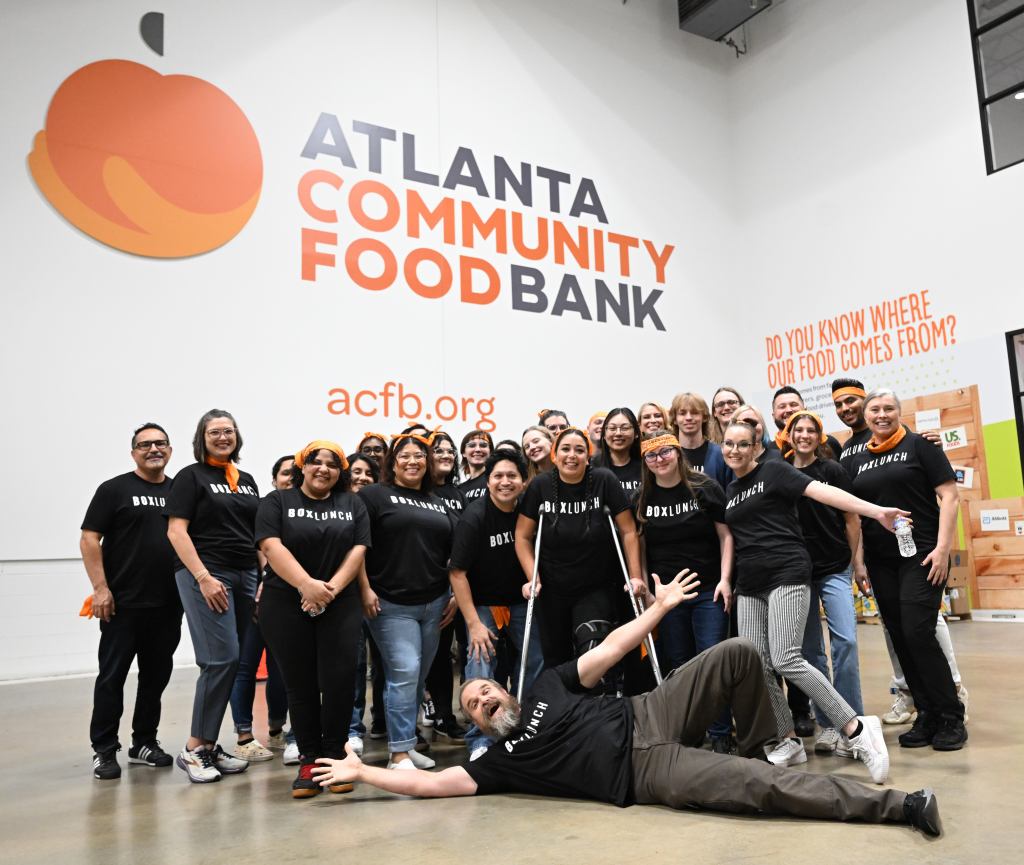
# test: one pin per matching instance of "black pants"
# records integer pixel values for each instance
(317, 657)
(150, 634)
(559, 618)
(909, 606)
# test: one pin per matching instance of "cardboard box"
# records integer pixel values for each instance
(959, 604)
(958, 570)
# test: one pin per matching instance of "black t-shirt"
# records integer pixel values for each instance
(138, 560)
(855, 444)
(318, 532)
(762, 514)
(771, 452)
(412, 538)
(679, 532)
(905, 477)
(697, 457)
(475, 488)
(221, 522)
(824, 528)
(571, 744)
(452, 498)
(629, 477)
(573, 558)
(484, 547)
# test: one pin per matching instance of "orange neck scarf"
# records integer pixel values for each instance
(230, 471)
(877, 447)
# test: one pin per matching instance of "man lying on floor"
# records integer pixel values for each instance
(565, 742)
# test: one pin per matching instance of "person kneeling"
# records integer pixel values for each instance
(647, 744)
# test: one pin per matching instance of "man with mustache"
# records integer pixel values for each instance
(563, 741)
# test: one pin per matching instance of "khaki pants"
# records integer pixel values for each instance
(668, 770)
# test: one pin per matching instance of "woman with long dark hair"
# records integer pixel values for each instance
(211, 514)
(315, 537)
(408, 572)
(681, 515)
(620, 448)
(580, 580)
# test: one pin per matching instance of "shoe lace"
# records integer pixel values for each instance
(206, 757)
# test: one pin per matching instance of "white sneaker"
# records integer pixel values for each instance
(902, 711)
(827, 741)
(277, 742)
(788, 752)
(962, 696)
(226, 763)
(253, 752)
(356, 744)
(403, 766)
(199, 765)
(421, 761)
(869, 748)
(844, 748)
(291, 755)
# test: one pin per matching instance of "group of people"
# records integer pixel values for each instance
(557, 552)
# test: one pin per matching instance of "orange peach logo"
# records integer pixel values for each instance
(157, 165)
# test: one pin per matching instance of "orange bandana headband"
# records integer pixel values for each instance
(657, 443)
(375, 435)
(849, 391)
(596, 415)
(427, 440)
(579, 432)
(784, 436)
(321, 445)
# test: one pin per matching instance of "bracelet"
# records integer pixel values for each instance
(202, 575)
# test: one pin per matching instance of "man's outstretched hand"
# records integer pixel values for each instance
(683, 587)
(338, 771)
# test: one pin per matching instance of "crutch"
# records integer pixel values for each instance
(529, 609)
(652, 655)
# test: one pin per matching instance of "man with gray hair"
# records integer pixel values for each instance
(564, 741)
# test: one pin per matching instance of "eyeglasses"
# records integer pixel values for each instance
(725, 403)
(411, 458)
(444, 452)
(372, 449)
(612, 430)
(227, 433)
(660, 454)
(737, 446)
(159, 444)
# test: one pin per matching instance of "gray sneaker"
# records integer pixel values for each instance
(226, 763)
(199, 765)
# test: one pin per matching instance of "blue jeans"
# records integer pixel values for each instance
(244, 690)
(215, 638)
(836, 596)
(407, 636)
(685, 632)
(477, 668)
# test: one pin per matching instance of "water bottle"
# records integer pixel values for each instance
(905, 538)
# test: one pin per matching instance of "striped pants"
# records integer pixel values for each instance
(774, 622)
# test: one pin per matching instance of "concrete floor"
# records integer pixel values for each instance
(53, 811)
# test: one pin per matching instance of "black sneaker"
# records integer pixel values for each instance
(922, 811)
(429, 712)
(421, 743)
(105, 765)
(921, 734)
(305, 786)
(950, 736)
(723, 744)
(803, 723)
(150, 754)
(449, 728)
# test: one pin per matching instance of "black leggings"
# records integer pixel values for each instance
(562, 622)
(909, 605)
(317, 658)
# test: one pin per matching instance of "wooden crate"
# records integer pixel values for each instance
(997, 557)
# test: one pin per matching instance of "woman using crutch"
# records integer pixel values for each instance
(579, 582)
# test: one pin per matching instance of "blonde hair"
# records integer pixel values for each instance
(692, 401)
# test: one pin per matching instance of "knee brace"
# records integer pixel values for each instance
(589, 634)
